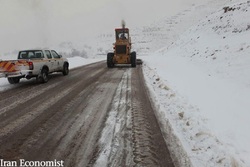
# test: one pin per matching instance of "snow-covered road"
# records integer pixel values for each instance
(103, 118)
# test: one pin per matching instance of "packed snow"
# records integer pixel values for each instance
(197, 68)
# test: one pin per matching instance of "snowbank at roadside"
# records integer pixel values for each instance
(201, 87)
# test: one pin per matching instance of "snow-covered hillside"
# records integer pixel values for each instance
(201, 86)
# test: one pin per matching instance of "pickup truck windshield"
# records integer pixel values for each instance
(30, 54)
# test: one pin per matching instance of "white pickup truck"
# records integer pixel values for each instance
(34, 63)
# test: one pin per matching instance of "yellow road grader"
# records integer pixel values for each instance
(122, 49)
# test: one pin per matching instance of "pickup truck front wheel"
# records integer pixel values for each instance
(44, 77)
(14, 80)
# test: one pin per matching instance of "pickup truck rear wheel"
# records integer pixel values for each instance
(44, 76)
(65, 69)
(14, 80)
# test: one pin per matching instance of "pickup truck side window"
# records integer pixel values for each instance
(31, 54)
(38, 54)
(55, 55)
(47, 52)
(23, 55)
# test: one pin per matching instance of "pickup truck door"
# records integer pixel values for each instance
(51, 61)
(58, 61)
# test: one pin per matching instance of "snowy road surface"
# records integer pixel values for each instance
(95, 116)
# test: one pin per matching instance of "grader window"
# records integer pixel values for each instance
(121, 33)
(120, 49)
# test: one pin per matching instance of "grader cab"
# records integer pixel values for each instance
(122, 49)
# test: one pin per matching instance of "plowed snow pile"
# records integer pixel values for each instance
(201, 86)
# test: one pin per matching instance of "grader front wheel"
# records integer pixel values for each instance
(133, 59)
(110, 62)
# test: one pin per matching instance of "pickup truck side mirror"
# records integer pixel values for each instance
(60, 56)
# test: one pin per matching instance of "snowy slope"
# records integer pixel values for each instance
(201, 85)
(160, 33)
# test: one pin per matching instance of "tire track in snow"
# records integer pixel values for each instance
(149, 146)
(131, 136)
(115, 146)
